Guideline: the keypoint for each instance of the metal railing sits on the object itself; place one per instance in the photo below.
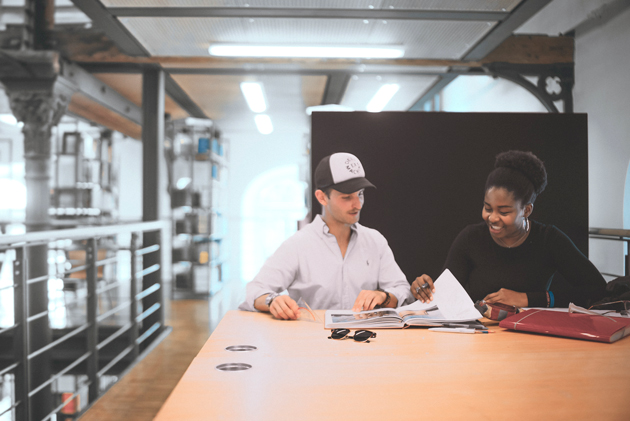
(614, 235)
(137, 330)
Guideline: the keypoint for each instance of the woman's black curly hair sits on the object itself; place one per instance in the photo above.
(520, 173)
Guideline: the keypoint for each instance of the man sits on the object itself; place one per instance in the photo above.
(334, 262)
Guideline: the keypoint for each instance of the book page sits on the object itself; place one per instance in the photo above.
(450, 298)
(369, 315)
(369, 318)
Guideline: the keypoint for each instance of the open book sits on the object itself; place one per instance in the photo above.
(451, 305)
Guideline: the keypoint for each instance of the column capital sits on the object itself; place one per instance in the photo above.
(38, 98)
(39, 105)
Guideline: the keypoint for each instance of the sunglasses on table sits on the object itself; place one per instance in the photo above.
(359, 335)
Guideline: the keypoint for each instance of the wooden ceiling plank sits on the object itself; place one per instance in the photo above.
(523, 12)
(130, 86)
(533, 49)
(518, 49)
(84, 107)
(181, 97)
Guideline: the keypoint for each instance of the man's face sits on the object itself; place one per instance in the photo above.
(343, 208)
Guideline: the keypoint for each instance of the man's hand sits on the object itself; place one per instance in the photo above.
(282, 307)
(285, 308)
(423, 294)
(507, 296)
(369, 299)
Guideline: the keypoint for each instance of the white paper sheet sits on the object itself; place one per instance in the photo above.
(450, 297)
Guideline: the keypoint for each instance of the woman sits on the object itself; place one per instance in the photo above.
(511, 259)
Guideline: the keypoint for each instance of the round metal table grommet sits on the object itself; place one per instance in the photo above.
(233, 367)
(241, 348)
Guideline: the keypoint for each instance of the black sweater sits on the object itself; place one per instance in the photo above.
(484, 267)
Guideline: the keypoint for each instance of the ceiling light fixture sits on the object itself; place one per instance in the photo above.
(382, 97)
(253, 93)
(263, 123)
(305, 51)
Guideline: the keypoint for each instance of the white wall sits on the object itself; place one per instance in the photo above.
(486, 94)
(128, 156)
(602, 57)
(603, 91)
(252, 154)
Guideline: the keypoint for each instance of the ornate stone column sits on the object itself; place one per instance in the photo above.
(39, 105)
(38, 99)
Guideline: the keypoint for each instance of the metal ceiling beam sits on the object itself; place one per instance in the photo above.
(112, 27)
(496, 37)
(296, 13)
(434, 90)
(102, 67)
(128, 44)
(602, 15)
(335, 88)
(99, 91)
(505, 28)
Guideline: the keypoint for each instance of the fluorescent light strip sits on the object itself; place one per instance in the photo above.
(332, 51)
(253, 93)
(263, 123)
(382, 97)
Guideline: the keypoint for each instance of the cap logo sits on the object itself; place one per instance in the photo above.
(353, 165)
(345, 166)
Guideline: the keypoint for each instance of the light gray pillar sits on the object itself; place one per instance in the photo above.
(39, 104)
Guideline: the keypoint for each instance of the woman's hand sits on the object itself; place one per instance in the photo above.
(423, 294)
(507, 296)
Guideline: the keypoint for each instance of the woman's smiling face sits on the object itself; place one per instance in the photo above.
(504, 215)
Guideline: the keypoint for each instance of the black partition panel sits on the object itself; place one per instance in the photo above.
(430, 170)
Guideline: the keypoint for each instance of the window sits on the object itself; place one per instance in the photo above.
(272, 204)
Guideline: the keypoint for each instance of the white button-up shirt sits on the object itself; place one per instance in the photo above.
(309, 265)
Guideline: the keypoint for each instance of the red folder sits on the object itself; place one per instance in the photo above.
(571, 325)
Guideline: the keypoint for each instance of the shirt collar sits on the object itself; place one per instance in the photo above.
(323, 228)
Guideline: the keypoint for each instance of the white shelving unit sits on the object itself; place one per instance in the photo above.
(198, 170)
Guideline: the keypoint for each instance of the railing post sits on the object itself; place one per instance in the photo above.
(158, 278)
(92, 314)
(627, 272)
(21, 336)
(133, 313)
(150, 238)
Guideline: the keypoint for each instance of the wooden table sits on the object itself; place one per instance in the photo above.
(299, 374)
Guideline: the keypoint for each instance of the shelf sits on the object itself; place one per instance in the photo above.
(197, 168)
(84, 183)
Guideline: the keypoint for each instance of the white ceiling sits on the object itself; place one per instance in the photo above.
(178, 39)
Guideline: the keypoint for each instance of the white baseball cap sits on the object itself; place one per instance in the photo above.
(343, 172)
